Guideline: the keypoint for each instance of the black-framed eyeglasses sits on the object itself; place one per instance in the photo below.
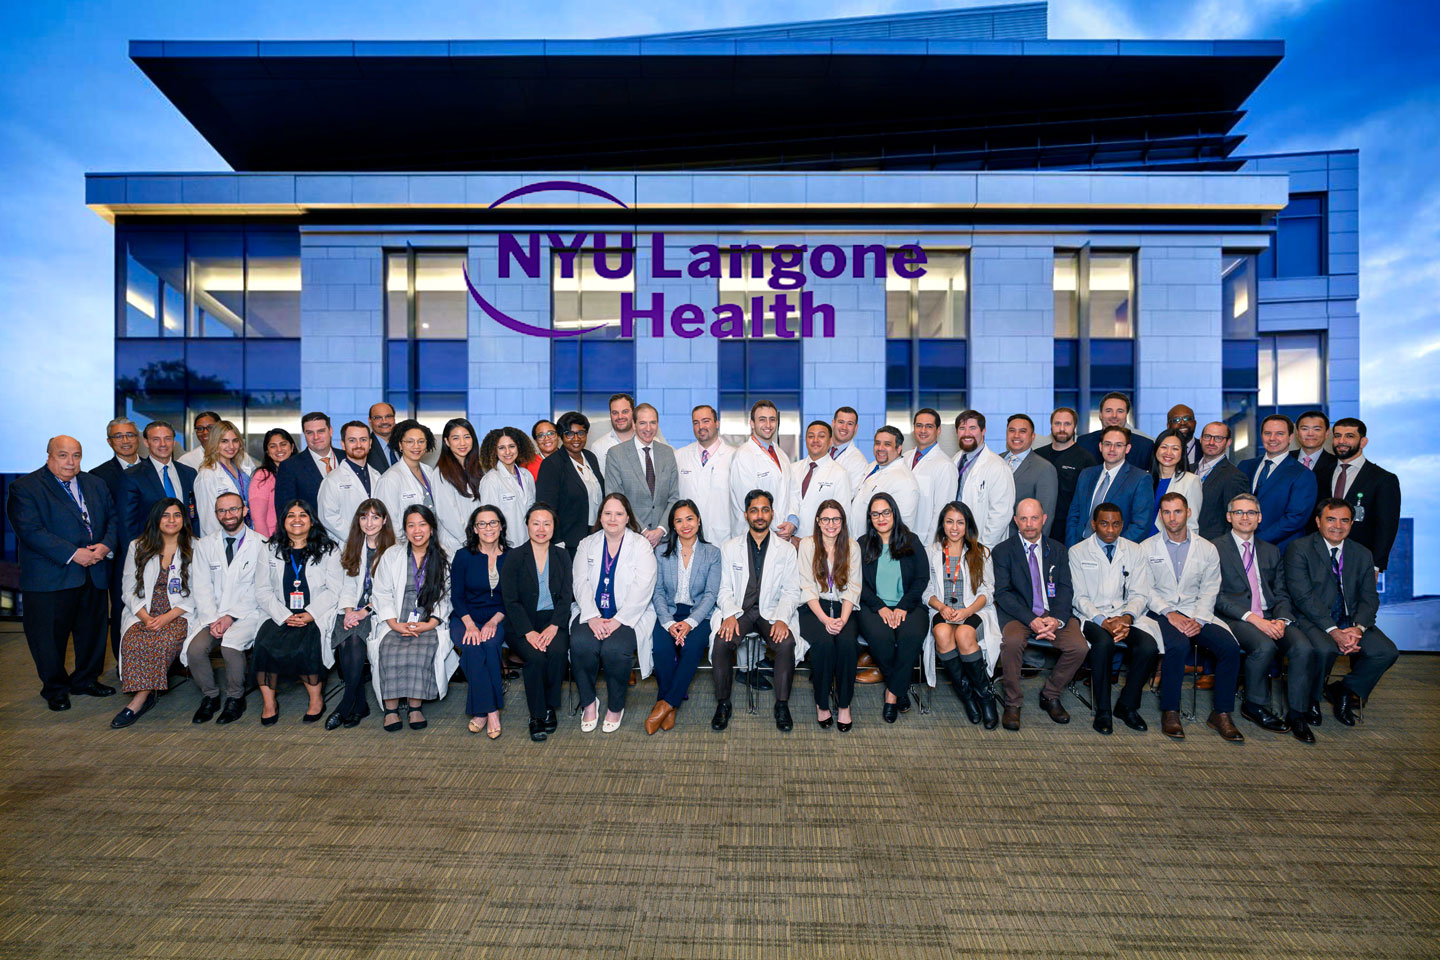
(881, 514)
(1182, 419)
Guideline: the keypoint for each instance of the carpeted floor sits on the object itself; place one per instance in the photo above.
(931, 838)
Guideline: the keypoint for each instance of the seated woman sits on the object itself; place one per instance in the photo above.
(962, 594)
(893, 620)
(535, 586)
(370, 536)
(279, 446)
(477, 615)
(457, 492)
(298, 589)
(614, 574)
(412, 598)
(686, 586)
(160, 598)
(411, 481)
(830, 581)
(505, 482)
(222, 470)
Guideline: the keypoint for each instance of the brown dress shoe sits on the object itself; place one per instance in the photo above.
(668, 722)
(657, 716)
(1010, 719)
(869, 675)
(1223, 725)
(1054, 708)
(1170, 725)
(1206, 681)
(865, 659)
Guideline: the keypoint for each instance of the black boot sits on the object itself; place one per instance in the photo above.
(981, 692)
(956, 669)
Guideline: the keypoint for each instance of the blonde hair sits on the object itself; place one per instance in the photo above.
(218, 429)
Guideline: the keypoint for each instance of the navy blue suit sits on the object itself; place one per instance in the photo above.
(112, 471)
(1287, 499)
(62, 598)
(299, 479)
(1132, 490)
(143, 489)
(1141, 450)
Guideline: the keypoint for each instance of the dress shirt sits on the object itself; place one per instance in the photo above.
(592, 485)
(1240, 542)
(1101, 482)
(174, 476)
(1353, 466)
(1309, 460)
(1278, 459)
(1207, 465)
(682, 586)
(1013, 460)
(1178, 552)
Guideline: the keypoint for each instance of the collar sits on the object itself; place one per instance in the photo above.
(1207, 462)
(713, 447)
(1301, 453)
(1026, 544)
(319, 457)
(1240, 541)
(640, 445)
(1278, 458)
(1017, 458)
(763, 447)
(1169, 542)
(127, 463)
(840, 448)
(877, 467)
(1112, 470)
(1327, 546)
(1354, 463)
(925, 450)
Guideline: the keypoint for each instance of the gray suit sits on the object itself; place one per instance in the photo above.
(1035, 477)
(625, 473)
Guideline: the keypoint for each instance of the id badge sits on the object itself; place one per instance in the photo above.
(414, 617)
(604, 599)
(174, 587)
(297, 601)
(1050, 589)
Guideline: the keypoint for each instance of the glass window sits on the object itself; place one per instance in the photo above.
(427, 359)
(217, 284)
(1067, 295)
(926, 321)
(272, 284)
(1292, 370)
(154, 284)
(1094, 293)
(1299, 244)
(586, 371)
(753, 282)
(1112, 285)
(440, 296)
(769, 367)
(1237, 295)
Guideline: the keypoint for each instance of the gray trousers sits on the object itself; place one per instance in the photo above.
(1376, 655)
(204, 675)
(1260, 651)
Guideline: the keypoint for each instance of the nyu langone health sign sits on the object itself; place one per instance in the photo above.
(787, 271)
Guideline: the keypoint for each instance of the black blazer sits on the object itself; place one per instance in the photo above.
(1324, 462)
(560, 486)
(1012, 580)
(143, 488)
(1141, 448)
(1378, 490)
(1312, 585)
(379, 458)
(112, 471)
(520, 589)
(299, 479)
(914, 578)
(49, 528)
(1222, 483)
(1233, 601)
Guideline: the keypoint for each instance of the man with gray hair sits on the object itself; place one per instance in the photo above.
(123, 436)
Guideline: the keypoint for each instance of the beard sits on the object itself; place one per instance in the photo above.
(1344, 451)
(968, 444)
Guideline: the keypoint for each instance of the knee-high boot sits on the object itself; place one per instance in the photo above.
(955, 669)
(981, 692)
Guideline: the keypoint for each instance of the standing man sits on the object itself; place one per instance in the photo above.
(1372, 491)
(934, 473)
(1068, 457)
(1034, 476)
(1220, 480)
(343, 490)
(845, 424)
(228, 559)
(124, 438)
(704, 473)
(888, 474)
(1312, 429)
(1115, 412)
(1113, 480)
(622, 426)
(203, 422)
(1033, 595)
(1286, 490)
(760, 464)
(382, 424)
(155, 477)
(984, 483)
(64, 523)
(644, 470)
(815, 479)
(1181, 419)
(301, 475)
(1333, 588)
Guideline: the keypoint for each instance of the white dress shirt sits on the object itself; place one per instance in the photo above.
(1354, 465)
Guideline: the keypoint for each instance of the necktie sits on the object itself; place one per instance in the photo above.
(960, 487)
(1264, 472)
(770, 449)
(1101, 490)
(805, 484)
(1306, 461)
(1110, 552)
(649, 472)
(1253, 575)
(1037, 597)
(165, 480)
(391, 455)
(914, 463)
(1340, 481)
(834, 453)
(326, 461)
(84, 514)
(229, 550)
(1014, 462)
(704, 456)
(1337, 609)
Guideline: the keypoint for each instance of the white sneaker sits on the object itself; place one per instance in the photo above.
(610, 726)
(588, 726)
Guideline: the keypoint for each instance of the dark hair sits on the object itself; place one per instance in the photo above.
(490, 449)
(318, 544)
(404, 427)
(1020, 416)
(902, 541)
(354, 549)
(267, 462)
(964, 415)
(206, 413)
(1124, 432)
(535, 430)
(850, 410)
(570, 419)
(930, 410)
(621, 396)
(437, 566)
(705, 406)
(151, 543)
(1105, 507)
(539, 505)
(894, 432)
(760, 404)
(1180, 466)
(672, 539)
(160, 423)
(1333, 503)
(361, 424)
(1355, 422)
(472, 539)
(312, 416)
(1070, 410)
(975, 551)
(1172, 495)
(820, 423)
(1289, 424)
(755, 494)
(464, 477)
(1308, 414)
(839, 568)
(631, 522)
(1116, 395)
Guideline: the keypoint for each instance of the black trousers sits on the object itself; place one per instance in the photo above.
(350, 658)
(1140, 665)
(1260, 651)
(615, 655)
(832, 656)
(51, 618)
(1376, 655)
(544, 671)
(723, 652)
(897, 651)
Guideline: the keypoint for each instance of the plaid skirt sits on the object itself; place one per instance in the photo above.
(407, 666)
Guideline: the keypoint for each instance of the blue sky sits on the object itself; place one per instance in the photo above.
(1356, 74)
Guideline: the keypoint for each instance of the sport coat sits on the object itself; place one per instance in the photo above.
(380, 454)
(1036, 477)
(520, 589)
(1013, 586)
(49, 528)
(560, 486)
(1223, 482)
(1132, 491)
(625, 473)
(299, 479)
(704, 583)
(1312, 584)
(1141, 448)
(1374, 494)
(1233, 601)
(1287, 499)
(143, 488)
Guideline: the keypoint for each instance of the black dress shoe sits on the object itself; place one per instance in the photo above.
(1103, 724)
(61, 702)
(783, 723)
(538, 733)
(208, 706)
(721, 720)
(1054, 708)
(1343, 701)
(844, 727)
(94, 689)
(353, 719)
(1301, 730)
(757, 679)
(903, 702)
(550, 721)
(127, 716)
(1131, 718)
(827, 723)
(1263, 718)
(233, 710)
(1313, 715)
(335, 719)
(890, 712)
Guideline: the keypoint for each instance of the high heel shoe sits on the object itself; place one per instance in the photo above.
(271, 720)
(827, 723)
(844, 727)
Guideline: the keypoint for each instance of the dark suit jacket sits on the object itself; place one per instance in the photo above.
(1012, 580)
(1233, 601)
(1132, 490)
(49, 528)
(1222, 483)
(914, 578)
(1141, 449)
(299, 479)
(1287, 500)
(1378, 490)
(1312, 585)
(1324, 463)
(143, 488)
(520, 588)
(112, 471)
(379, 458)
(561, 487)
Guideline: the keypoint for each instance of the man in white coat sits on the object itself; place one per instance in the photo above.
(934, 473)
(887, 474)
(343, 490)
(816, 479)
(845, 450)
(1111, 583)
(759, 593)
(760, 464)
(1185, 578)
(228, 559)
(986, 484)
(622, 427)
(704, 468)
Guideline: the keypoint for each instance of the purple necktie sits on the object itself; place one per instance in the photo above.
(704, 456)
(1037, 597)
(649, 472)
(1253, 576)
(805, 484)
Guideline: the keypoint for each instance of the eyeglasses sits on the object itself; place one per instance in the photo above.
(545, 434)
(124, 436)
(881, 514)
(1182, 419)
(576, 433)
(1247, 514)
(1212, 437)
(829, 520)
(226, 511)
(486, 524)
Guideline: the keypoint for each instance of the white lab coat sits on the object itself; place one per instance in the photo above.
(231, 587)
(989, 632)
(830, 482)
(634, 586)
(708, 486)
(452, 512)
(273, 581)
(210, 483)
(388, 598)
(197, 599)
(989, 493)
(499, 489)
(752, 469)
(895, 479)
(854, 462)
(1199, 584)
(779, 586)
(341, 492)
(1188, 486)
(1110, 588)
(936, 478)
(398, 489)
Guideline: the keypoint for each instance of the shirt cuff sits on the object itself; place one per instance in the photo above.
(693, 622)
(1098, 619)
(793, 520)
(1248, 615)
(667, 625)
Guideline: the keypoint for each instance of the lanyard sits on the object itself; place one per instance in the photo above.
(952, 573)
(295, 568)
(423, 482)
(419, 573)
(239, 478)
(607, 562)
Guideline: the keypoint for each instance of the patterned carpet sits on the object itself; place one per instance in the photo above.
(931, 838)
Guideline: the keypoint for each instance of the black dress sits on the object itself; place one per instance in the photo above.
(285, 651)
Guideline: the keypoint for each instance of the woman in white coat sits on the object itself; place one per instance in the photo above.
(369, 537)
(1168, 471)
(297, 590)
(506, 485)
(614, 580)
(221, 471)
(162, 594)
(458, 492)
(410, 482)
(965, 632)
(408, 660)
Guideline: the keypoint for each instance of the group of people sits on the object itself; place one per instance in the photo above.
(399, 559)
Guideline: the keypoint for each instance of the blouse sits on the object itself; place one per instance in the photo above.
(262, 502)
(889, 581)
(811, 590)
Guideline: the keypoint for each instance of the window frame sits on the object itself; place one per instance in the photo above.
(1084, 389)
(912, 309)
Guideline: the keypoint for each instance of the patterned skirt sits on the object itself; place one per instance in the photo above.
(146, 655)
(407, 666)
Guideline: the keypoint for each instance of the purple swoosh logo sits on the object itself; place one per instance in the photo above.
(567, 186)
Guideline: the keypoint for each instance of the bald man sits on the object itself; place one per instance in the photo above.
(382, 424)
(65, 532)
